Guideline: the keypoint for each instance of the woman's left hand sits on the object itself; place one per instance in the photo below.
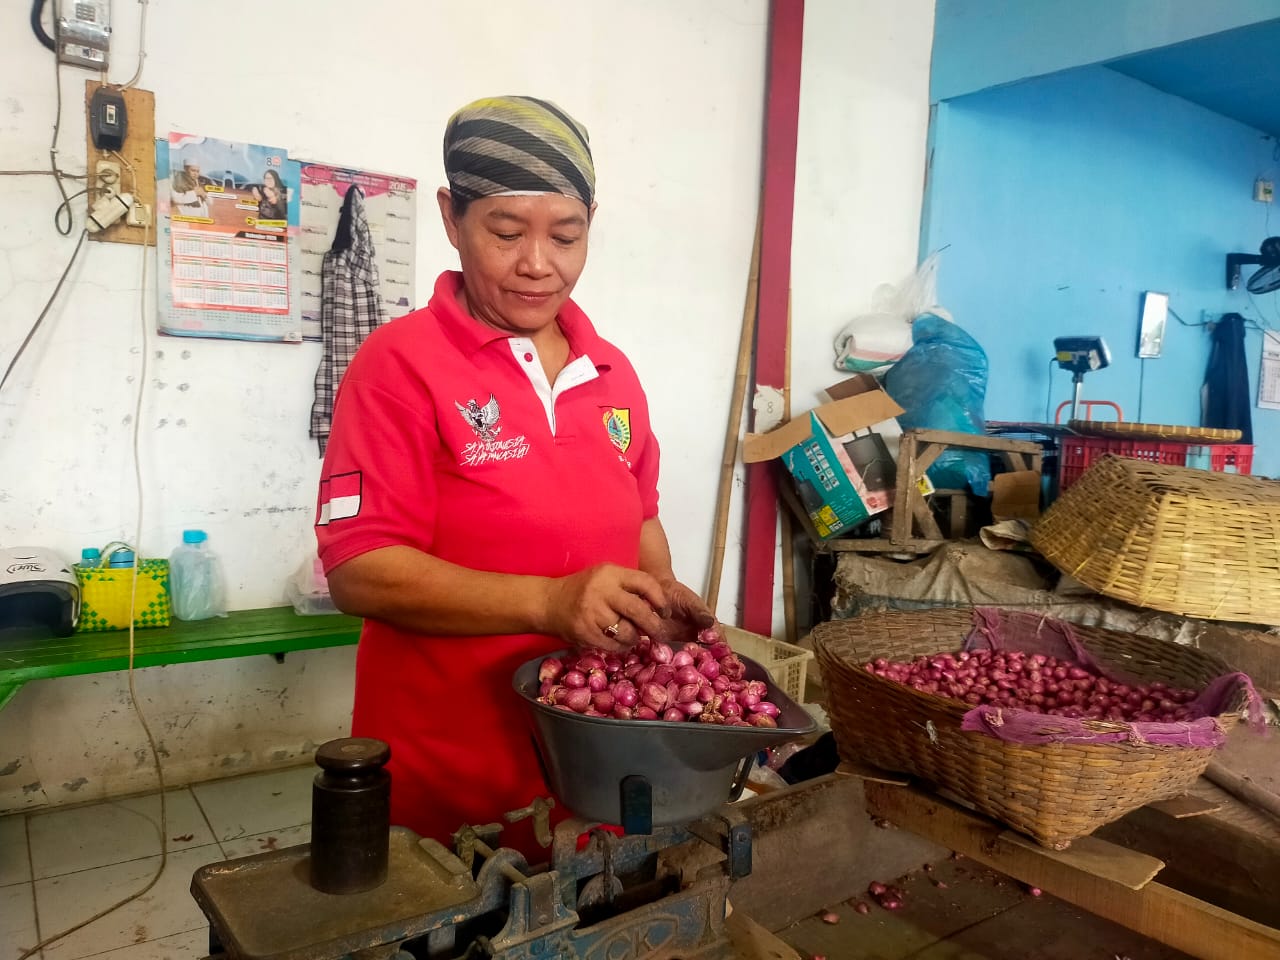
(686, 613)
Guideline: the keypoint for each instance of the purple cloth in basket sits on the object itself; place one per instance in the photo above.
(995, 629)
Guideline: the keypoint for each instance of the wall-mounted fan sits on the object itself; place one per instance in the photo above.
(1267, 278)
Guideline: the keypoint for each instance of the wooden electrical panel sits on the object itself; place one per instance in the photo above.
(140, 151)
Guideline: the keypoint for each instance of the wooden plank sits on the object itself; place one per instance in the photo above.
(925, 519)
(139, 150)
(1207, 857)
(1243, 787)
(959, 515)
(907, 472)
(848, 768)
(1104, 860)
(927, 457)
(880, 545)
(754, 942)
(1162, 913)
(977, 441)
(1187, 805)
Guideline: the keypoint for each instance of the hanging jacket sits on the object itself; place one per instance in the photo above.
(1226, 401)
(350, 306)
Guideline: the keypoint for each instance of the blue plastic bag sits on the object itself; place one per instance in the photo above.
(941, 382)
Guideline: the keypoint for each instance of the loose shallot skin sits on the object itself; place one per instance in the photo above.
(697, 682)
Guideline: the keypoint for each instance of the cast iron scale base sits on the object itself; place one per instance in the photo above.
(480, 900)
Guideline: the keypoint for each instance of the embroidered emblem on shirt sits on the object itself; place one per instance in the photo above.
(488, 448)
(617, 420)
(483, 420)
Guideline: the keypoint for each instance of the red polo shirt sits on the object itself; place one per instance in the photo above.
(448, 438)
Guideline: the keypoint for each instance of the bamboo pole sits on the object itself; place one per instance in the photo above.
(732, 437)
(784, 515)
(1243, 788)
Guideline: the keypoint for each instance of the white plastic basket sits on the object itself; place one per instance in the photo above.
(785, 662)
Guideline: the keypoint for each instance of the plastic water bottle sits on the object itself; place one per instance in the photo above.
(196, 579)
(90, 557)
(120, 559)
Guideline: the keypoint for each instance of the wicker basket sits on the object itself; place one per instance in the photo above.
(1053, 793)
(1154, 431)
(1170, 538)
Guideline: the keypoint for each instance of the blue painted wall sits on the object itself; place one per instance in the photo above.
(983, 43)
(1060, 200)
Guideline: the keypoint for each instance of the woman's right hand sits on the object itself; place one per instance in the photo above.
(584, 608)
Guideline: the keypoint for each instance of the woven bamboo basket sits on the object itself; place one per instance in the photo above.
(1183, 541)
(1054, 793)
(1154, 431)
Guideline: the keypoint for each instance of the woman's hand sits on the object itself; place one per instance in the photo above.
(606, 606)
(686, 615)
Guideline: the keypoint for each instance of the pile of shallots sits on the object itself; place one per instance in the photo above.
(1039, 684)
(653, 681)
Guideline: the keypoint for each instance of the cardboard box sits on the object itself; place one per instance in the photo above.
(811, 447)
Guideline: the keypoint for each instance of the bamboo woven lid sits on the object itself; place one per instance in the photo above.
(1185, 541)
(1154, 431)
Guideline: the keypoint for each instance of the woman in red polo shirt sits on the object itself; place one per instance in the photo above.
(489, 490)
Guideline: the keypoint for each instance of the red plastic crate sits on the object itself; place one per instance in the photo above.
(1077, 453)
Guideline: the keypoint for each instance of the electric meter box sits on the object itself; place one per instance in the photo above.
(84, 32)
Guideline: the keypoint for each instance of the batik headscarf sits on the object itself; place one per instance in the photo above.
(517, 145)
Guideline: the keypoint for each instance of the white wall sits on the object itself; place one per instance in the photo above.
(672, 93)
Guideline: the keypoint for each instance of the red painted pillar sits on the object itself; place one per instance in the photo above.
(782, 115)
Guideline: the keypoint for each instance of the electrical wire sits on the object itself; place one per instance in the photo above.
(142, 49)
(43, 173)
(1142, 370)
(133, 177)
(133, 603)
(1048, 394)
(37, 26)
(44, 312)
(66, 205)
(53, 145)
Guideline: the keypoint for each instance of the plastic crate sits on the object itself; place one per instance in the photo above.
(1078, 453)
(785, 662)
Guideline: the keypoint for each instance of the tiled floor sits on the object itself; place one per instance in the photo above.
(58, 868)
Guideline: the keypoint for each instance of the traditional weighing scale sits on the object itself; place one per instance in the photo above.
(655, 888)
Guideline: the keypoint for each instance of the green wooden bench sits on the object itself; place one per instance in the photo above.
(274, 630)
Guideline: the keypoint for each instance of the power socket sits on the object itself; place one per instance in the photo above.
(139, 215)
(107, 173)
(1263, 190)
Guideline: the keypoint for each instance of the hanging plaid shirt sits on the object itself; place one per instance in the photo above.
(350, 307)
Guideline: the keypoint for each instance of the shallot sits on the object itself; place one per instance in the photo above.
(1037, 683)
(702, 681)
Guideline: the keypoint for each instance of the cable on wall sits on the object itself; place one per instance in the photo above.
(37, 25)
(45, 311)
(142, 49)
(133, 602)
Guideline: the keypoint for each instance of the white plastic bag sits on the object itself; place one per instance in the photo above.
(879, 337)
(308, 589)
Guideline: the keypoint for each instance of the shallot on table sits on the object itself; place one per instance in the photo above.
(1039, 684)
(887, 896)
(654, 681)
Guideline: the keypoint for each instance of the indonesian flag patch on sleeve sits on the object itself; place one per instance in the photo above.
(339, 497)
